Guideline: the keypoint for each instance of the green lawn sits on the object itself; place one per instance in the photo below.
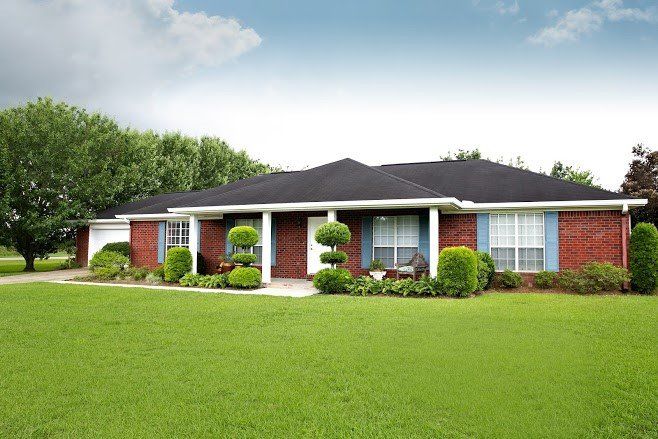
(82, 361)
(9, 267)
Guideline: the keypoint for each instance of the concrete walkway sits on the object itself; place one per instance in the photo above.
(42, 276)
(271, 290)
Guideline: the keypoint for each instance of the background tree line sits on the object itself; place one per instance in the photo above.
(60, 163)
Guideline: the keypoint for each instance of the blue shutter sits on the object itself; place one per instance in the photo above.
(366, 241)
(230, 223)
(483, 232)
(162, 230)
(551, 242)
(198, 236)
(424, 235)
(273, 242)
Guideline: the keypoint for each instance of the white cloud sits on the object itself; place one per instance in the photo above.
(507, 9)
(586, 20)
(76, 48)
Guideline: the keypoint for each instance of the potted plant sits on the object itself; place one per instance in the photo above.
(377, 269)
(225, 264)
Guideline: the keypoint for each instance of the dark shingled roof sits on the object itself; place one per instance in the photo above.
(480, 181)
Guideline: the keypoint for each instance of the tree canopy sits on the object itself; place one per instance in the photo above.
(60, 163)
(642, 181)
(572, 173)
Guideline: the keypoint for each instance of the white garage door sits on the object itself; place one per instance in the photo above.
(101, 234)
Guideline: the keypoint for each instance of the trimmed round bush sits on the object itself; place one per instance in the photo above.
(510, 279)
(177, 263)
(458, 271)
(244, 277)
(332, 258)
(545, 279)
(243, 236)
(333, 234)
(106, 259)
(118, 247)
(111, 272)
(486, 270)
(332, 280)
(644, 258)
(245, 259)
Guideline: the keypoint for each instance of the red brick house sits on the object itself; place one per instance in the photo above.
(525, 220)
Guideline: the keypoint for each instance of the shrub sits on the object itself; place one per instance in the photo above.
(333, 234)
(332, 280)
(139, 273)
(545, 279)
(105, 259)
(245, 259)
(427, 286)
(118, 247)
(177, 263)
(510, 279)
(159, 272)
(334, 257)
(244, 277)
(107, 273)
(594, 277)
(214, 281)
(153, 278)
(190, 279)
(486, 270)
(243, 236)
(377, 265)
(571, 280)
(364, 286)
(644, 258)
(457, 271)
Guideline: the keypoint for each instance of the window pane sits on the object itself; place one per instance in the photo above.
(407, 230)
(503, 258)
(258, 251)
(531, 259)
(177, 234)
(502, 230)
(405, 254)
(385, 254)
(384, 231)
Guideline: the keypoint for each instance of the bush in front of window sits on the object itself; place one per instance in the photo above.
(486, 270)
(108, 264)
(333, 258)
(644, 258)
(458, 271)
(332, 280)
(245, 259)
(545, 279)
(510, 279)
(118, 247)
(594, 277)
(244, 277)
(243, 237)
(177, 263)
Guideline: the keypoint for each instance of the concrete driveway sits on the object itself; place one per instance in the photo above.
(43, 276)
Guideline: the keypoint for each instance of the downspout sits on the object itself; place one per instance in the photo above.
(624, 240)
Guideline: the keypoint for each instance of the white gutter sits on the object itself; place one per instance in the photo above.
(108, 221)
(151, 216)
(572, 205)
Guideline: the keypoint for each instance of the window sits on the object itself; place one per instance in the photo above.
(178, 234)
(258, 248)
(395, 239)
(517, 241)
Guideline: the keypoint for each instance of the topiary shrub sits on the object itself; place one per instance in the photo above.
(108, 259)
(245, 259)
(458, 271)
(486, 270)
(545, 279)
(118, 247)
(244, 277)
(177, 263)
(333, 234)
(336, 257)
(510, 279)
(243, 236)
(644, 258)
(332, 280)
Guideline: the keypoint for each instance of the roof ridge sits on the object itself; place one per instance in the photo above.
(400, 179)
(427, 162)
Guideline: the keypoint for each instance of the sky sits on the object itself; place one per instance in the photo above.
(302, 83)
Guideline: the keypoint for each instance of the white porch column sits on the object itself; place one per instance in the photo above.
(266, 268)
(434, 240)
(332, 215)
(194, 241)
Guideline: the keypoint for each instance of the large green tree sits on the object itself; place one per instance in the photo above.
(59, 165)
(642, 181)
(572, 173)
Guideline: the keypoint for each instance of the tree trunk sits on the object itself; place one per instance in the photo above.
(29, 262)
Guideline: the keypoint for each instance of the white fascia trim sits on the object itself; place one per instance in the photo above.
(108, 221)
(321, 205)
(152, 217)
(571, 205)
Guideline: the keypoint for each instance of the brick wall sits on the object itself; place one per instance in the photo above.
(82, 246)
(458, 229)
(144, 243)
(213, 243)
(590, 236)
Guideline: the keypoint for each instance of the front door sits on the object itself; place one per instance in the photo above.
(313, 249)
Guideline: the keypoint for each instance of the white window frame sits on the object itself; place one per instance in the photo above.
(179, 236)
(250, 222)
(395, 237)
(517, 246)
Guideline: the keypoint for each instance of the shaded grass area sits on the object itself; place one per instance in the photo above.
(10, 267)
(99, 361)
